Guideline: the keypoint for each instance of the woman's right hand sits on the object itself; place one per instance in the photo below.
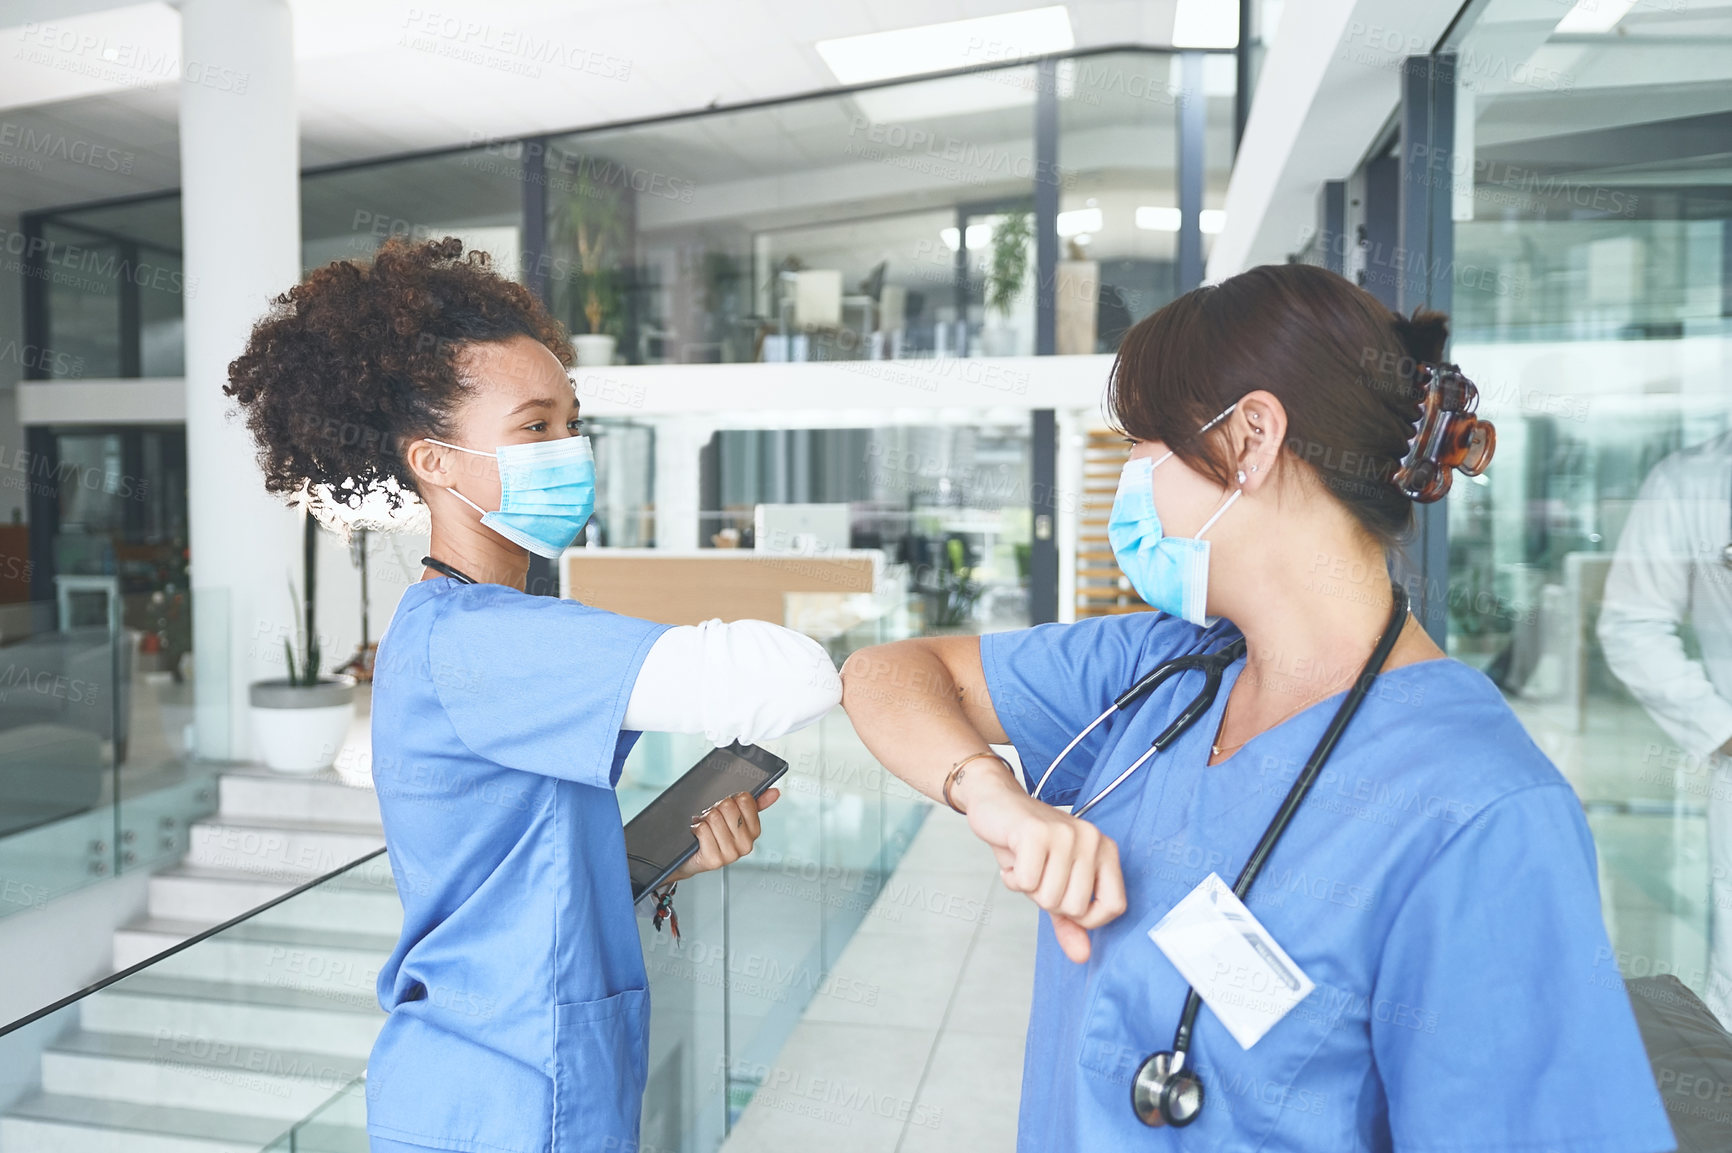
(1068, 866)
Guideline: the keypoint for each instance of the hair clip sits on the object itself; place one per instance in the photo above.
(1447, 435)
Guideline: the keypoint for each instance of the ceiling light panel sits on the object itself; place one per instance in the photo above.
(928, 48)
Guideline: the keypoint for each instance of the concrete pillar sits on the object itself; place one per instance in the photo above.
(678, 442)
(241, 230)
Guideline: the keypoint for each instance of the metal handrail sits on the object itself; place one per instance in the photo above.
(73, 998)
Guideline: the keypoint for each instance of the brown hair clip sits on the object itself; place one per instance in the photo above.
(1447, 435)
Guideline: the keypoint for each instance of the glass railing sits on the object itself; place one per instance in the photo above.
(96, 777)
(256, 1034)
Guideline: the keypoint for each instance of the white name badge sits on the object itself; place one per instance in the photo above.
(1230, 959)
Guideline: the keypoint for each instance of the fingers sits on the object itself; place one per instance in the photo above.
(729, 826)
(742, 812)
(1109, 888)
(709, 851)
(727, 830)
(1069, 869)
(1062, 849)
(1072, 938)
(768, 798)
(1079, 891)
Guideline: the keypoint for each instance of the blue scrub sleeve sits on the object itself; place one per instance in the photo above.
(1500, 1020)
(546, 680)
(1048, 682)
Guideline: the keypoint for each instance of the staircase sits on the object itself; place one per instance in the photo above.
(1101, 589)
(222, 1047)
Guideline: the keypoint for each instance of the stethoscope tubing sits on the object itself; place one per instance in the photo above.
(1212, 666)
(1296, 795)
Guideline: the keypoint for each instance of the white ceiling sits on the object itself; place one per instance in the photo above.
(375, 78)
(1339, 69)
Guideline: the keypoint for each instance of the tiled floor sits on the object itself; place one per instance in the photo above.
(934, 1061)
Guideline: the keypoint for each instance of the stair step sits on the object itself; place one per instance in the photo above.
(53, 1123)
(279, 849)
(261, 950)
(361, 898)
(343, 1022)
(212, 895)
(186, 1070)
(323, 797)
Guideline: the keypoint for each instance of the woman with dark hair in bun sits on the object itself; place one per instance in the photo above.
(1308, 884)
(517, 1000)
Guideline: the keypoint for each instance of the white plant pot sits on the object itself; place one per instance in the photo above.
(998, 340)
(301, 728)
(594, 351)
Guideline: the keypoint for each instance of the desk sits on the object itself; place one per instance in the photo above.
(680, 587)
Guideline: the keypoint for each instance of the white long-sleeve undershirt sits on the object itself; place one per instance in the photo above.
(746, 681)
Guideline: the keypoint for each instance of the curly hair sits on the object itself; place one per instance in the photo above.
(358, 359)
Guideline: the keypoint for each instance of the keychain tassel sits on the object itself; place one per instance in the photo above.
(665, 911)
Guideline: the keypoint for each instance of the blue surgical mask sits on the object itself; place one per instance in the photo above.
(546, 492)
(1169, 572)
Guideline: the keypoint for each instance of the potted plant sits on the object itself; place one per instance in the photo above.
(953, 593)
(301, 720)
(1006, 273)
(592, 226)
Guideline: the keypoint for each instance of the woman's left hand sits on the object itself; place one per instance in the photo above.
(726, 832)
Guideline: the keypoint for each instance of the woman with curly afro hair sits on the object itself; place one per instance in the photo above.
(517, 999)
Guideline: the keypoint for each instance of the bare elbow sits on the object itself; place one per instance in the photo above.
(862, 667)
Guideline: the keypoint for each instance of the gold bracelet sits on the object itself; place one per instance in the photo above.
(957, 768)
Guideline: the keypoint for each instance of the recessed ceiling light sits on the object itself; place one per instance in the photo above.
(1079, 220)
(1209, 24)
(1156, 219)
(979, 235)
(927, 48)
(1591, 17)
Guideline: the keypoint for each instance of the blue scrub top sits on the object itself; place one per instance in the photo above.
(1438, 884)
(517, 999)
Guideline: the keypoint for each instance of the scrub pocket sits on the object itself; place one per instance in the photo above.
(601, 1061)
(1249, 1094)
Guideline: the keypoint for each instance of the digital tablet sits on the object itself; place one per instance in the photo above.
(660, 839)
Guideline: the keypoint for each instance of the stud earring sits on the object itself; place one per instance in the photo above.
(1253, 468)
(1241, 476)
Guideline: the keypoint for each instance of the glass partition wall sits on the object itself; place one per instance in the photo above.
(908, 221)
(1588, 569)
(900, 221)
(256, 1035)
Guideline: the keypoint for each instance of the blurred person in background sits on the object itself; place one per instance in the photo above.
(1671, 577)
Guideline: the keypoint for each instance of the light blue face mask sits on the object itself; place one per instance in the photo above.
(546, 492)
(1170, 572)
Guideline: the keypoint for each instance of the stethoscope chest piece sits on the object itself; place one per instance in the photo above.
(1166, 1093)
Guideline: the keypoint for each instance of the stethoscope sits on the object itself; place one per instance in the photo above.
(1164, 1091)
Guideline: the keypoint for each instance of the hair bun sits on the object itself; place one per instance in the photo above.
(1423, 334)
